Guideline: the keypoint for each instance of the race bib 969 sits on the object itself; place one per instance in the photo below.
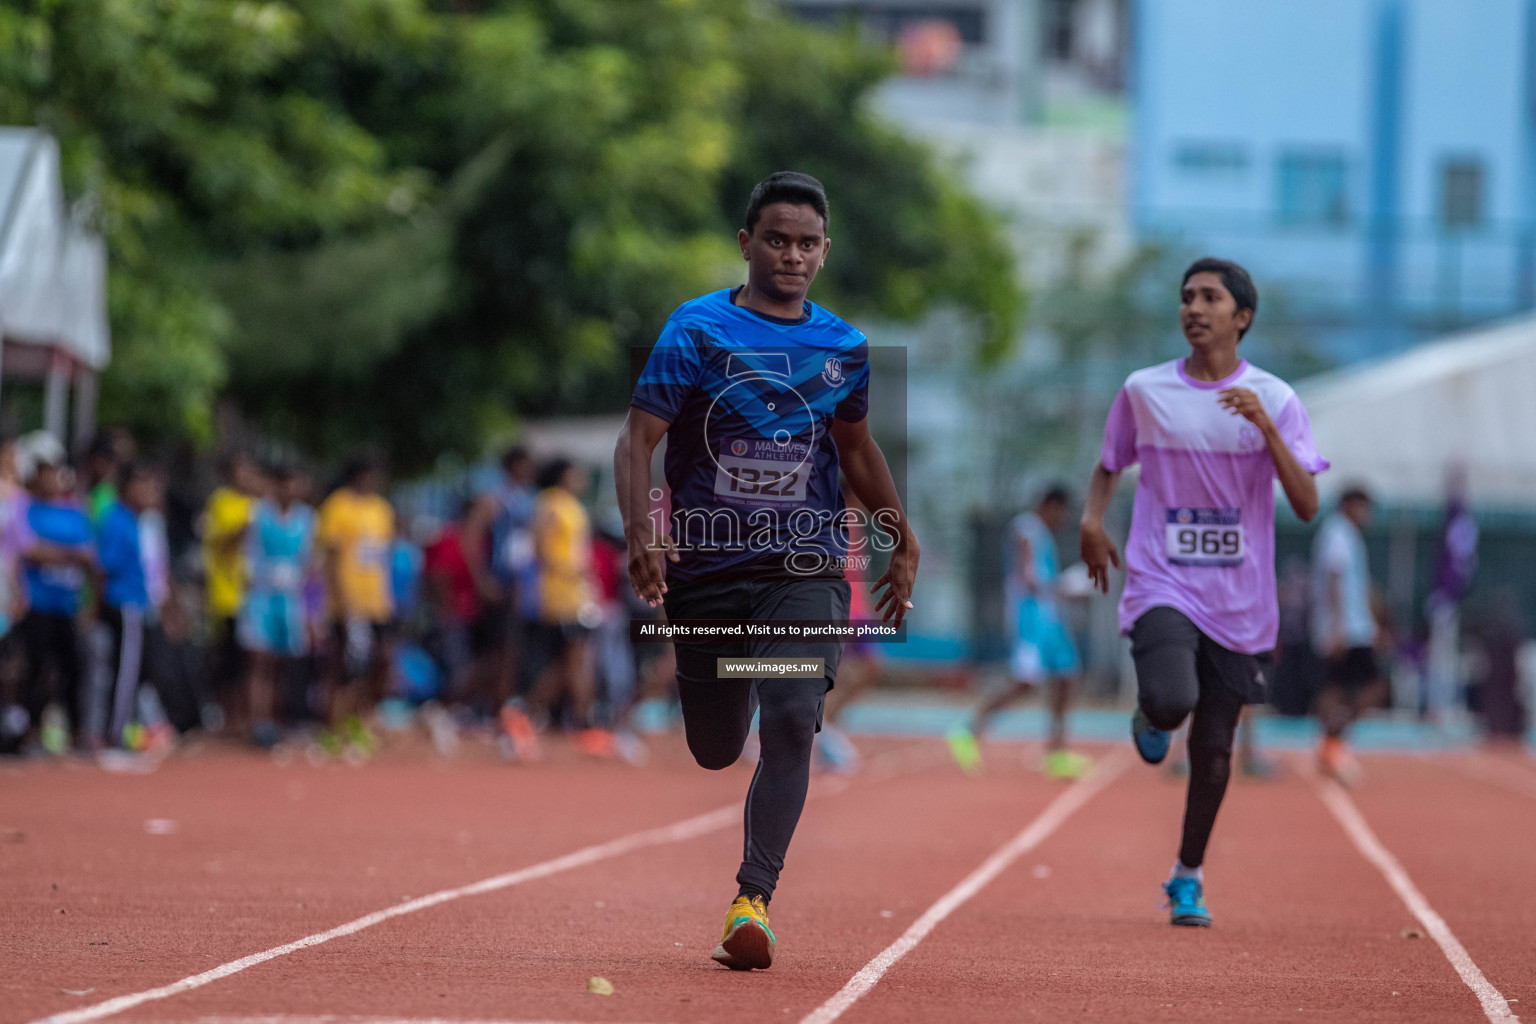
(1205, 538)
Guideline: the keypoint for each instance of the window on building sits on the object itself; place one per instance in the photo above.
(1211, 157)
(1059, 15)
(1313, 189)
(887, 20)
(1461, 194)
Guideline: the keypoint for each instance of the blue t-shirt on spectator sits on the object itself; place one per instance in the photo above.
(55, 589)
(122, 559)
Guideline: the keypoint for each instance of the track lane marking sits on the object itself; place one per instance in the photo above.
(898, 762)
(1336, 799)
(689, 828)
(1498, 773)
(279, 1018)
(1033, 834)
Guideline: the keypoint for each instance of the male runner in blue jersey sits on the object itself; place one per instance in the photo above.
(762, 396)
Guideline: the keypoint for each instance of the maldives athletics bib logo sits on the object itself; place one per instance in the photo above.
(832, 371)
(738, 447)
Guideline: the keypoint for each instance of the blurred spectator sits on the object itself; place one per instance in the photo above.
(1344, 631)
(498, 542)
(13, 510)
(57, 553)
(458, 633)
(1453, 578)
(355, 531)
(405, 570)
(1298, 670)
(156, 547)
(279, 549)
(560, 638)
(109, 451)
(124, 597)
(183, 504)
(226, 518)
(614, 655)
(1505, 716)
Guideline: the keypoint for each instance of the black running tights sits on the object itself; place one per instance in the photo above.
(717, 715)
(1181, 672)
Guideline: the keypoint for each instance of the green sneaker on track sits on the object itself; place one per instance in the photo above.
(965, 749)
(1066, 764)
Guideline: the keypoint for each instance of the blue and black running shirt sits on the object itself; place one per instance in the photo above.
(750, 458)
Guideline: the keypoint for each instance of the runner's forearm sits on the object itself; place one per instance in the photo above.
(1299, 484)
(632, 472)
(1101, 491)
(626, 475)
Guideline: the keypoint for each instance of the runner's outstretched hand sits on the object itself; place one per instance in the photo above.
(897, 581)
(1098, 553)
(647, 575)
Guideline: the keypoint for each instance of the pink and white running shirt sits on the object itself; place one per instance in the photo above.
(1203, 528)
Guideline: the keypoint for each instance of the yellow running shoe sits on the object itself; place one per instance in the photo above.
(747, 942)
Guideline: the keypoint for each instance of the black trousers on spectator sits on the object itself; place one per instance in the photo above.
(1182, 673)
(51, 642)
(717, 713)
(125, 663)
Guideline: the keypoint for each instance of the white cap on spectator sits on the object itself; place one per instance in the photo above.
(38, 449)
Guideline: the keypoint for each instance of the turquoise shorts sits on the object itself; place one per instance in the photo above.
(272, 622)
(1042, 647)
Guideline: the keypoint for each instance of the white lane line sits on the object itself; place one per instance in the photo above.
(667, 834)
(1499, 773)
(278, 1018)
(1495, 1006)
(678, 832)
(1050, 819)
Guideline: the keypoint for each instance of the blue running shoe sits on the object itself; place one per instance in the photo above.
(1186, 903)
(1151, 742)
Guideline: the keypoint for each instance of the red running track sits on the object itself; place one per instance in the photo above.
(96, 907)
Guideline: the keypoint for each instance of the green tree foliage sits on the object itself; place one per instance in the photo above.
(410, 223)
(176, 117)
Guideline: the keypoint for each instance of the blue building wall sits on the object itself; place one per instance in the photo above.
(1372, 159)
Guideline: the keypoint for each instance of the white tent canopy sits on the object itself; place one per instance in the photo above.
(53, 273)
(1402, 426)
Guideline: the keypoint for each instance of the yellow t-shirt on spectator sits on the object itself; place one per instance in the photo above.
(228, 513)
(563, 538)
(357, 529)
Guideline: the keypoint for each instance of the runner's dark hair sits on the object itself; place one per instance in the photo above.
(1233, 277)
(787, 187)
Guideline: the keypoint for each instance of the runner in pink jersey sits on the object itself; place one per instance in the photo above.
(1212, 434)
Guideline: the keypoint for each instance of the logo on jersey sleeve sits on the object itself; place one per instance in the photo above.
(832, 371)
